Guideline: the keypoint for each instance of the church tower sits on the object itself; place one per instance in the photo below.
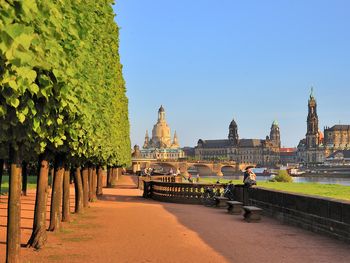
(312, 123)
(275, 135)
(146, 143)
(233, 133)
(175, 143)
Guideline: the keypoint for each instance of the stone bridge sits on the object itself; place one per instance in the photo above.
(215, 167)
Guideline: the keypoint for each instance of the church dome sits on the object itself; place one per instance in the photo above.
(161, 131)
(320, 135)
(275, 123)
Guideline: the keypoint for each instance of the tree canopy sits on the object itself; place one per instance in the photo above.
(61, 82)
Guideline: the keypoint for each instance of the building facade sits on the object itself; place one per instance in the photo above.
(337, 138)
(263, 152)
(288, 156)
(160, 146)
(318, 146)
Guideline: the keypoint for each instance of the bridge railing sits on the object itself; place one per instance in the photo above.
(184, 193)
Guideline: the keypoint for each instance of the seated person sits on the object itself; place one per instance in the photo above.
(249, 178)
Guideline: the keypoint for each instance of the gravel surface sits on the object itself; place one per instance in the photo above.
(124, 227)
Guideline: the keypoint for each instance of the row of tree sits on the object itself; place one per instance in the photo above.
(62, 101)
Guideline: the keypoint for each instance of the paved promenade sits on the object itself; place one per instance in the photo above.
(124, 227)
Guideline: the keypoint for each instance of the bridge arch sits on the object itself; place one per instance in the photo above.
(202, 169)
(166, 166)
(228, 169)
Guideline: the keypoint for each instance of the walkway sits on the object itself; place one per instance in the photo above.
(124, 227)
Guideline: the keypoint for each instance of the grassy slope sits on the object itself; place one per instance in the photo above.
(326, 190)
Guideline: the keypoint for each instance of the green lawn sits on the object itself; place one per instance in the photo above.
(5, 183)
(325, 190)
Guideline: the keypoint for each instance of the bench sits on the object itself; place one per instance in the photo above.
(252, 213)
(220, 201)
(234, 207)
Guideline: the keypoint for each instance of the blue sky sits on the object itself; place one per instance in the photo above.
(208, 61)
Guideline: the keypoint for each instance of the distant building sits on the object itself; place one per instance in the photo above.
(341, 157)
(337, 138)
(189, 152)
(288, 156)
(253, 151)
(318, 146)
(160, 146)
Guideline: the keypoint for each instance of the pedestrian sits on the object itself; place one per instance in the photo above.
(197, 178)
(190, 178)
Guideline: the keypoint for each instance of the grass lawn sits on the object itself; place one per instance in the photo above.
(5, 183)
(325, 190)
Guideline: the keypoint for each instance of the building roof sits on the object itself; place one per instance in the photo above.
(345, 153)
(227, 143)
(250, 142)
(288, 150)
(215, 143)
(339, 128)
(161, 109)
(233, 123)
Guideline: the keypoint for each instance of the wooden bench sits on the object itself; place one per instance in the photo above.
(234, 207)
(252, 213)
(220, 201)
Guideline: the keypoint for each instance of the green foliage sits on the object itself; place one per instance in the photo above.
(61, 82)
(283, 177)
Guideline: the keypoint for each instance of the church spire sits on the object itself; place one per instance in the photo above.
(175, 140)
(312, 96)
(146, 143)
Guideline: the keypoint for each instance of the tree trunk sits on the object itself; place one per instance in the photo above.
(99, 181)
(52, 175)
(114, 177)
(85, 177)
(56, 196)
(94, 183)
(39, 236)
(14, 209)
(78, 185)
(90, 184)
(109, 177)
(66, 195)
(1, 172)
(24, 178)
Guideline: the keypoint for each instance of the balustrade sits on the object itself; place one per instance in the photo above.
(186, 193)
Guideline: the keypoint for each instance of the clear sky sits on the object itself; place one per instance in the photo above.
(208, 61)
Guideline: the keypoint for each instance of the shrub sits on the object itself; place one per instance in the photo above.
(282, 176)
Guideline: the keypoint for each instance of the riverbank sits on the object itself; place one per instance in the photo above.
(335, 191)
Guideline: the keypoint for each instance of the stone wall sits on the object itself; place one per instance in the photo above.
(320, 215)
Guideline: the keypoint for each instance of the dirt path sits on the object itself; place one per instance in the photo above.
(124, 227)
